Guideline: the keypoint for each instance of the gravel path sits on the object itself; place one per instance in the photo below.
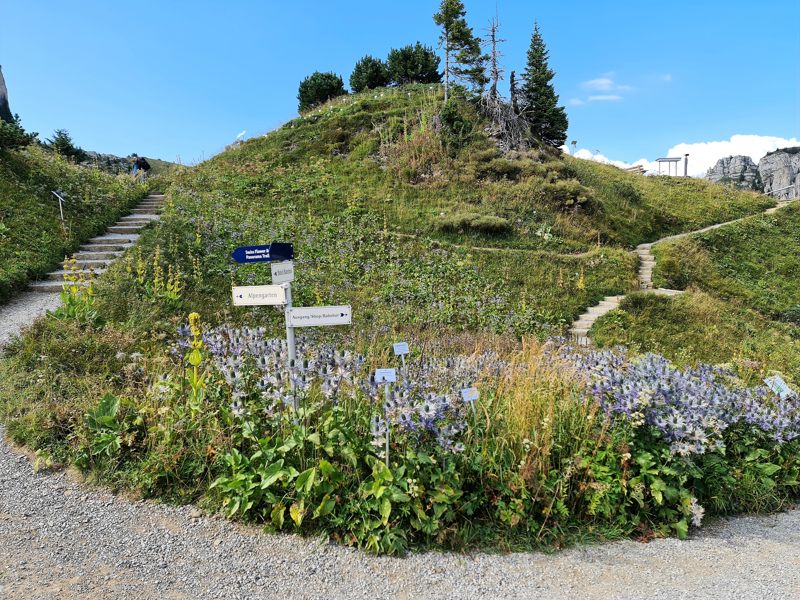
(22, 311)
(60, 539)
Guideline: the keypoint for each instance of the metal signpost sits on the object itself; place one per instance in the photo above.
(280, 294)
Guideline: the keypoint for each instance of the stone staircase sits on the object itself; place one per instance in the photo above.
(99, 252)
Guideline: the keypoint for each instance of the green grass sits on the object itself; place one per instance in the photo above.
(696, 327)
(33, 240)
(755, 261)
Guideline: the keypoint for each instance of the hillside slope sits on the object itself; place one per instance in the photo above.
(32, 238)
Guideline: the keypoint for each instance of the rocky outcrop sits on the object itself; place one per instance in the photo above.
(740, 171)
(777, 174)
(107, 162)
(5, 110)
(780, 173)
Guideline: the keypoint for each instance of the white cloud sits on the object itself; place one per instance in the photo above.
(702, 155)
(601, 84)
(605, 98)
(576, 102)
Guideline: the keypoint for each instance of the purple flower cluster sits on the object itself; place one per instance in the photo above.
(690, 408)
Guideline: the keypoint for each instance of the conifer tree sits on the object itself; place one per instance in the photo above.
(547, 121)
(463, 58)
(513, 92)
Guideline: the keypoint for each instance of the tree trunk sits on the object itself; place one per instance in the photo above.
(446, 65)
(5, 111)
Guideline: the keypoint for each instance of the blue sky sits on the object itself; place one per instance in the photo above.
(179, 80)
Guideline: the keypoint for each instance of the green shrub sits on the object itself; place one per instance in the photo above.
(13, 136)
(474, 222)
(413, 64)
(318, 88)
(369, 73)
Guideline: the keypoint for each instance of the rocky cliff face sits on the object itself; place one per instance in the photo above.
(780, 173)
(777, 174)
(5, 111)
(740, 171)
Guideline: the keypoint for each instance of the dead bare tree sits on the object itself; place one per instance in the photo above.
(506, 126)
(491, 40)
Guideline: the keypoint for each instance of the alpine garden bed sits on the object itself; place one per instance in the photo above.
(561, 446)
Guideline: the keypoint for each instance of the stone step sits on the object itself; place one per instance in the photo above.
(59, 275)
(90, 255)
(579, 331)
(137, 223)
(104, 247)
(144, 211)
(583, 324)
(124, 229)
(147, 218)
(45, 287)
(667, 292)
(598, 311)
(113, 239)
(89, 263)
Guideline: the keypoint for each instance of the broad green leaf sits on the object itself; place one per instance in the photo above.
(277, 515)
(681, 529)
(297, 512)
(305, 481)
(314, 439)
(272, 474)
(386, 510)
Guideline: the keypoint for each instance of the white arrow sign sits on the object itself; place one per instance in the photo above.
(259, 295)
(779, 386)
(282, 272)
(319, 316)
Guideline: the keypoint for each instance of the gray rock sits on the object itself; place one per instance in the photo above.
(5, 110)
(780, 173)
(738, 170)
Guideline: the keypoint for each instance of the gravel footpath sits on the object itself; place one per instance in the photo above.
(62, 539)
(22, 311)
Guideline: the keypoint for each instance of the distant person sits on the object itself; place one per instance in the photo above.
(140, 165)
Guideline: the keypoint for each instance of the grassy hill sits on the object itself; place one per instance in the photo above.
(33, 239)
(436, 238)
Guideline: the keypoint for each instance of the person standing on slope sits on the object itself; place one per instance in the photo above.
(140, 164)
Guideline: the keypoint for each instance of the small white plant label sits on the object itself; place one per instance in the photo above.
(385, 375)
(400, 348)
(470, 394)
(779, 386)
(282, 272)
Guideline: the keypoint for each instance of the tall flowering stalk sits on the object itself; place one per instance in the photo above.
(196, 378)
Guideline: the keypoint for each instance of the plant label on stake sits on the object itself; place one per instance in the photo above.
(401, 349)
(779, 386)
(470, 395)
(385, 375)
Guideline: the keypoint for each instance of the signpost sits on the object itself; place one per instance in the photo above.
(282, 272)
(267, 253)
(260, 295)
(385, 375)
(280, 254)
(319, 316)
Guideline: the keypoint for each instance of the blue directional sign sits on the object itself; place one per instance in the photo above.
(267, 253)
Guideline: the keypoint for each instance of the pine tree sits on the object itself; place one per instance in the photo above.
(547, 121)
(495, 71)
(463, 58)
